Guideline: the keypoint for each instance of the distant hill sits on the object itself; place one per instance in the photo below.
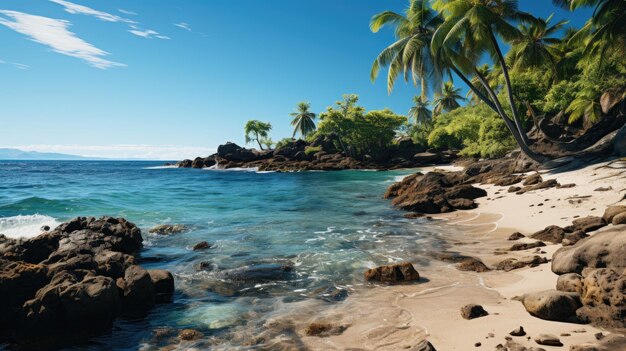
(16, 154)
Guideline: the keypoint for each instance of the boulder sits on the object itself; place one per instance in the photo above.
(518, 332)
(206, 162)
(570, 282)
(168, 229)
(394, 273)
(612, 342)
(203, 245)
(604, 249)
(619, 219)
(553, 234)
(516, 236)
(426, 158)
(611, 212)
(138, 291)
(604, 298)
(619, 143)
(472, 264)
(184, 163)
(72, 307)
(189, 335)
(163, 283)
(291, 149)
(19, 281)
(548, 340)
(586, 224)
(473, 311)
(553, 305)
(510, 264)
(533, 179)
(527, 246)
(233, 152)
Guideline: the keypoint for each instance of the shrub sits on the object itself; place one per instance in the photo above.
(310, 150)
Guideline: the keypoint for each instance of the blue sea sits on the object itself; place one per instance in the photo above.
(327, 227)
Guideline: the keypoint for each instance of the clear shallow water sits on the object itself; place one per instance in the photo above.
(326, 226)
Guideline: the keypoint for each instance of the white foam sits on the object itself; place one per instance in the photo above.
(25, 226)
(234, 169)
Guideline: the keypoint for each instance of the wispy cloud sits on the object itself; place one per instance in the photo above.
(55, 34)
(146, 33)
(183, 25)
(76, 9)
(126, 12)
(146, 152)
(15, 64)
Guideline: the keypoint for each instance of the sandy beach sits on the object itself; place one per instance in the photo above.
(401, 317)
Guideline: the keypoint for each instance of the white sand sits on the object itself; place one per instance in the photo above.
(400, 317)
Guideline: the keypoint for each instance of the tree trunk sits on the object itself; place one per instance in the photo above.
(505, 72)
(475, 90)
(507, 121)
(258, 141)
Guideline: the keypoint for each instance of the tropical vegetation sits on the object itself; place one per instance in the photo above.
(257, 131)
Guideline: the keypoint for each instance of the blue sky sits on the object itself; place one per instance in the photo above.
(169, 79)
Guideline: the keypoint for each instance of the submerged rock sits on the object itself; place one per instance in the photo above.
(400, 272)
(167, 229)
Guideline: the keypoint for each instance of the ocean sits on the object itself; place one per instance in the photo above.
(326, 228)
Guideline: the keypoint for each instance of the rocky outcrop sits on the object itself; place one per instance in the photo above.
(323, 153)
(70, 283)
(595, 268)
(401, 272)
(553, 305)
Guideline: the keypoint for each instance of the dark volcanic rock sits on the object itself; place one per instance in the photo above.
(393, 273)
(473, 311)
(70, 283)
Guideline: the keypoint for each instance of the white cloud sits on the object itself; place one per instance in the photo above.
(20, 66)
(124, 151)
(183, 25)
(55, 34)
(146, 33)
(76, 9)
(126, 12)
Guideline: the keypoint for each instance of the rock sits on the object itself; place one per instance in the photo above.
(611, 212)
(400, 272)
(45, 228)
(606, 248)
(291, 149)
(553, 234)
(526, 246)
(548, 340)
(516, 236)
(619, 219)
(113, 264)
(507, 180)
(510, 264)
(619, 143)
(612, 342)
(514, 189)
(518, 331)
(233, 152)
(73, 306)
(205, 162)
(163, 283)
(426, 158)
(138, 291)
(604, 298)
(573, 238)
(189, 335)
(551, 183)
(473, 311)
(608, 100)
(167, 229)
(553, 305)
(472, 264)
(586, 224)
(184, 163)
(609, 188)
(19, 281)
(533, 179)
(571, 282)
(465, 192)
(324, 329)
(203, 245)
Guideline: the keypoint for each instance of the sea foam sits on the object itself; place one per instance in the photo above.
(25, 226)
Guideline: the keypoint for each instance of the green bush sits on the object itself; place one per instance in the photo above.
(283, 142)
(310, 150)
(560, 96)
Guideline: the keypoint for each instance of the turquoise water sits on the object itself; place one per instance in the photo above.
(326, 226)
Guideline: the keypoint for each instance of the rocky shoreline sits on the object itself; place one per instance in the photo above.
(69, 284)
(591, 264)
(321, 154)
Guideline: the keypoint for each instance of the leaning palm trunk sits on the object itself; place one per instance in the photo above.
(507, 80)
(517, 135)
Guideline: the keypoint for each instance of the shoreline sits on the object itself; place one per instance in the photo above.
(430, 310)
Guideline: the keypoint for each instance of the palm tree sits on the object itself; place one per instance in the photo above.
(485, 71)
(256, 131)
(303, 120)
(605, 30)
(410, 53)
(536, 48)
(447, 99)
(469, 32)
(420, 112)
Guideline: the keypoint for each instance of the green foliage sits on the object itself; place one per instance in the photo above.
(530, 86)
(303, 120)
(560, 96)
(360, 132)
(310, 150)
(446, 100)
(476, 130)
(419, 133)
(284, 142)
(268, 142)
(256, 130)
